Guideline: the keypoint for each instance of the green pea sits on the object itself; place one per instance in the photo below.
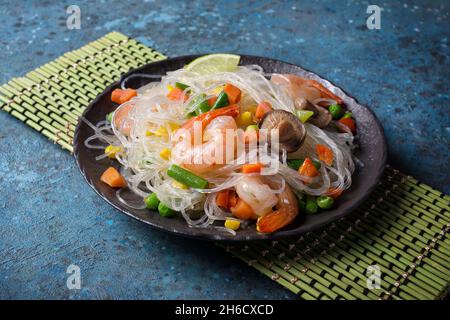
(252, 127)
(336, 111)
(325, 202)
(109, 117)
(348, 114)
(165, 211)
(311, 205)
(151, 201)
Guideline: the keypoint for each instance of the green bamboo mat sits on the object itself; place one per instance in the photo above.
(402, 228)
(52, 97)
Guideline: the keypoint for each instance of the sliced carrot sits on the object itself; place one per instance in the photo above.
(334, 192)
(252, 167)
(211, 101)
(325, 154)
(113, 178)
(262, 109)
(308, 169)
(243, 211)
(177, 94)
(121, 96)
(222, 199)
(128, 94)
(233, 93)
(350, 123)
(116, 95)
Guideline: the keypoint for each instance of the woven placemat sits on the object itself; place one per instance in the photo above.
(52, 97)
(401, 230)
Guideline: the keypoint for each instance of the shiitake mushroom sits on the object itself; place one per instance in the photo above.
(321, 117)
(292, 132)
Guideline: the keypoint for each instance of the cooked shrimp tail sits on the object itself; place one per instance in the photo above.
(298, 87)
(287, 211)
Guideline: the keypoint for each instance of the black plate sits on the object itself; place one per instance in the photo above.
(372, 153)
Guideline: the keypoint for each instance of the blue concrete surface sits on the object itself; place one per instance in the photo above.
(50, 218)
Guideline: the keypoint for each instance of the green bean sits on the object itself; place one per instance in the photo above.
(202, 107)
(222, 101)
(199, 104)
(186, 177)
(295, 163)
(181, 86)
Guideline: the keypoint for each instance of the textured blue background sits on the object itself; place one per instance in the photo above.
(50, 218)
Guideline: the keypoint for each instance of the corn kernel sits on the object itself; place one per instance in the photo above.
(174, 126)
(165, 154)
(169, 87)
(112, 151)
(161, 132)
(217, 90)
(232, 224)
(179, 185)
(245, 119)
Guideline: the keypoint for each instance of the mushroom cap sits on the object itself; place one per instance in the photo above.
(321, 118)
(292, 132)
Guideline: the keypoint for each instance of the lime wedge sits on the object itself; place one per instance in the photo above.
(213, 63)
(304, 115)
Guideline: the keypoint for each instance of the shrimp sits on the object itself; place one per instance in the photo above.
(286, 212)
(298, 87)
(257, 193)
(211, 153)
(205, 118)
(122, 120)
